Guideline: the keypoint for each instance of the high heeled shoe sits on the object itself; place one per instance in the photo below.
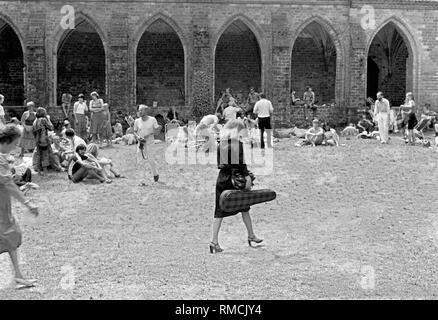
(254, 239)
(215, 248)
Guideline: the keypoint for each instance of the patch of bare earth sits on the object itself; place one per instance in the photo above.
(358, 221)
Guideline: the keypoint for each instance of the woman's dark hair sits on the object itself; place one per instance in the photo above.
(70, 133)
(9, 134)
(81, 96)
(81, 147)
(41, 112)
(263, 96)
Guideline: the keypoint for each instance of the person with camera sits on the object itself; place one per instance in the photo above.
(10, 232)
(144, 129)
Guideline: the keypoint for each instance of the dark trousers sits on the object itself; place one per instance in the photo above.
(265, 125)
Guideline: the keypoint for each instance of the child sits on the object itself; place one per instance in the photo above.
(10, 233)
(118, 130)
(107, 130)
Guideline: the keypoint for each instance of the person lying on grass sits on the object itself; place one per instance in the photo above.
(315, 135)
(86, 166)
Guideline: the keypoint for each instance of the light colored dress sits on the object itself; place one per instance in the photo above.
(10, 233)
(28, 139)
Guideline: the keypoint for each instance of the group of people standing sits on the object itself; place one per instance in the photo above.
(256, 111)
(96, 113)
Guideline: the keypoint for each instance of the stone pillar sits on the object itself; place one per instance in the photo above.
(120, 95)
(201, 76)
(35, 70)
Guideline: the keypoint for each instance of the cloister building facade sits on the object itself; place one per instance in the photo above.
(184, 53)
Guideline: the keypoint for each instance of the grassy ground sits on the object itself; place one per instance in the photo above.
(358, 221)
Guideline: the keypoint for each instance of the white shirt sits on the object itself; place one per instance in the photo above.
(77, 141)
(80, 108)
(2, 111)
(231, 113)
(145, 129)
(263, 108)
(382, 106)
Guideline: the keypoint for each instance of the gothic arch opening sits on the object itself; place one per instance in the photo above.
(313, 64)
(238, 61)
(81, 62)
(160, 66)
(11, 66)
(389, 54)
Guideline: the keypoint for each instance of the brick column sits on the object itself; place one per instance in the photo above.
(202, 61)
(120, 95)
(35, 70)
(358, 67)
(280, 70)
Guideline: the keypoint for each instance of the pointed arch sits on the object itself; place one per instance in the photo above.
(259, 36)
(13, 84)
(17, 31)
(340, 52)
(135, 41)
(58, 40)
(411, 43)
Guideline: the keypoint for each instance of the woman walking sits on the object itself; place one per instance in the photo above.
(10, 233)
(79, 112)
(27, 120)
(230, 149)
(44, 156)
(97, 116)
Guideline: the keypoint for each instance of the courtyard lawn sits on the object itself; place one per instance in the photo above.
(358, 221)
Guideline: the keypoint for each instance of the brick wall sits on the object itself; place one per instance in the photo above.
(11, 68)
(237, 63)
(160, 70)
(201, 23)
(308, 69)
(81, 65)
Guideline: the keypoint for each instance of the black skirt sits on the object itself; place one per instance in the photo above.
(412, 121)
(224, 183)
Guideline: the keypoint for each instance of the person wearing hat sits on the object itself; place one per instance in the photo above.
(97, 115)
(315, 135)
(144, 129)
(80, 109)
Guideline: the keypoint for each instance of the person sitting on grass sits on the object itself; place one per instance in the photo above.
(85, 166)
(365, 125)
(74, 142)
(350, 130)
(106, 164)
(331, 137)
(315, 135)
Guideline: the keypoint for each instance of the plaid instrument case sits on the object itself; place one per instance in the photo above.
(235, 200)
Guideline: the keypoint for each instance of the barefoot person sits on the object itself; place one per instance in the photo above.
(264, 111)
(86, 166)
(381, 113)
(229, 150)
(315, 135)
(144, 129)
(80, 111)
(10, 233)
(411, 119)
(28, 140)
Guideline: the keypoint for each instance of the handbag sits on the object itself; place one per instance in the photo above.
(237, 200)
(240, 181)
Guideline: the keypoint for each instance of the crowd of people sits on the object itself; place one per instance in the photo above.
(76, 148)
